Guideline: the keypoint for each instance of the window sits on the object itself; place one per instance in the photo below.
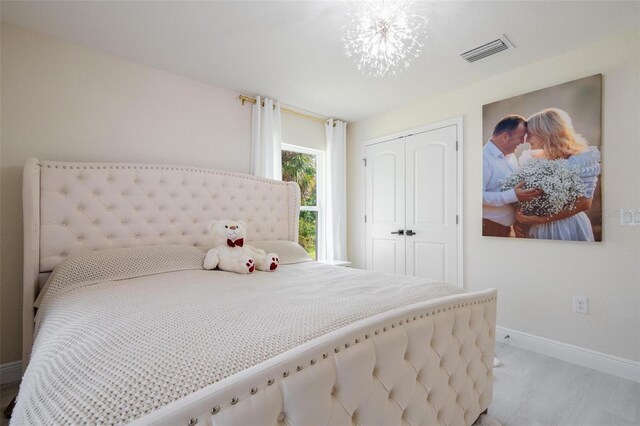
(304, 166)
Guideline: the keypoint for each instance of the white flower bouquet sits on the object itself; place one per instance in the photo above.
(558, 180)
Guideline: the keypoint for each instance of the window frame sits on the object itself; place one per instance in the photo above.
(320, 194)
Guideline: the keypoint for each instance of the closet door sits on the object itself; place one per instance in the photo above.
(385, 207)
(431, 205)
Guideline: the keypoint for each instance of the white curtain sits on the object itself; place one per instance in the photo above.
(266, 139)
(336, 190)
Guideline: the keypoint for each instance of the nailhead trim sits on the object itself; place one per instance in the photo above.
(325, 355)
(132, 166)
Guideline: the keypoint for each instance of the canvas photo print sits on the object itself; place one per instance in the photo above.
(542, 164)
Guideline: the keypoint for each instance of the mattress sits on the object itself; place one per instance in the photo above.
(116, 345)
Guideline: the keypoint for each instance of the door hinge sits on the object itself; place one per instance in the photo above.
(365, 218)
(456, 219)
(364, 160)
(456, 145)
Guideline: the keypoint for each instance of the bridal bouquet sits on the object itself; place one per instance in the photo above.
(557, 179)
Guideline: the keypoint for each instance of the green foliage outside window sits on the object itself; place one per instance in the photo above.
(302, 168)
(308, 232)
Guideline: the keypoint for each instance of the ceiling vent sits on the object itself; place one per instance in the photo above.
(488, 49)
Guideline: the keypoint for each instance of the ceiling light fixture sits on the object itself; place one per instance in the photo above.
(384, 37)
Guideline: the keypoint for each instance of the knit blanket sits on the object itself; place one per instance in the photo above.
(118, 343)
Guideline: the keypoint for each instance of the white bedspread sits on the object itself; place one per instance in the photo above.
(109, 352)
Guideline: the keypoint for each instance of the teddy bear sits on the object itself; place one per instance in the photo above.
(230, 253)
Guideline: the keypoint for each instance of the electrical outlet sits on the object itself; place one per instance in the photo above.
(581, 304)
(630, 217)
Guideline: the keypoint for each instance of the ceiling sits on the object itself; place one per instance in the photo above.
(292, 50)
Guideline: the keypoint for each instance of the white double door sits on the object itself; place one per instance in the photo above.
(411, 205)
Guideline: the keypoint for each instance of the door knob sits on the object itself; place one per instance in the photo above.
(410, 232)
(400, 232)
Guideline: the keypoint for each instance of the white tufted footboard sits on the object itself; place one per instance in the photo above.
(428, 364)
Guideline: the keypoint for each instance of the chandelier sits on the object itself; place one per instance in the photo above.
(384, 37)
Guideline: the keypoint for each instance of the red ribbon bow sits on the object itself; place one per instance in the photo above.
(238, 242)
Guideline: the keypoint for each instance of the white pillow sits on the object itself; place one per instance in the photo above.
(94, 266)
(288, 251)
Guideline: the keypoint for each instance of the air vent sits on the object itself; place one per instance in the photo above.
(491, 48)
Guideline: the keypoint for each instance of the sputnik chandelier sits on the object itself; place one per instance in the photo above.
(383, 37)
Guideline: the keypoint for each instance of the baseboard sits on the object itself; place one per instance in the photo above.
(10, 372)
(600, 361)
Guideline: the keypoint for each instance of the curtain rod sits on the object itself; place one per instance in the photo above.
(244, 99)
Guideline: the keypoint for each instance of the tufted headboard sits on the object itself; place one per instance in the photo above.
(74, 207)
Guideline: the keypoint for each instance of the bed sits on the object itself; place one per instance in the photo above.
(130, 329)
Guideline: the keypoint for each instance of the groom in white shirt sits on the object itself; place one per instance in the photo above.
(498, 162)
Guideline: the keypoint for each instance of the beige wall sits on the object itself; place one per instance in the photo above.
(67, 102)
(537, 279)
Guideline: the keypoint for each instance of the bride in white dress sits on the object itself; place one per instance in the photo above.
(551, 135)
